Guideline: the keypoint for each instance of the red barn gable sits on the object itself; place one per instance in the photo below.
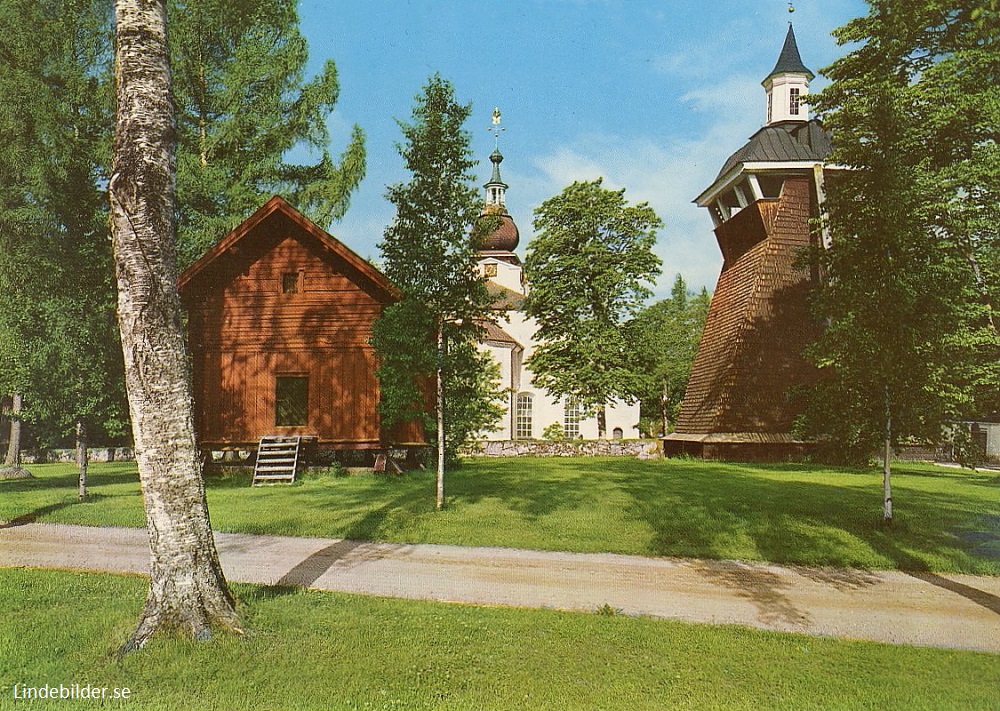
(279, 320)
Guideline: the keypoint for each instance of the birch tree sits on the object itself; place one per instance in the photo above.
(430, 253)
(912, 283)
(187, 590)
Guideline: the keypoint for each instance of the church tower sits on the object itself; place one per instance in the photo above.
(497, 260)
(788, 84)
(740, 400)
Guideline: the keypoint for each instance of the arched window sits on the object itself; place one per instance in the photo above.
(572, 415)
(522, 416)
(617, 433)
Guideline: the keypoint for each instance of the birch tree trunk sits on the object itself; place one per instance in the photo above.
(887, 465)
(187, 590)
(13, 458)
(440, 416)
(81, 458)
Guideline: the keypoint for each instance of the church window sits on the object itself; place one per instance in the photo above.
(770, 103)
(291, 400)
(522, 416)
(572, 416)
(794, 101)
(618, 433)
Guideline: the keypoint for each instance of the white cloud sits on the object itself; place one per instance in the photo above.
(667, 173)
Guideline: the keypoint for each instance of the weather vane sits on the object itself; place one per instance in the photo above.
(496, 128)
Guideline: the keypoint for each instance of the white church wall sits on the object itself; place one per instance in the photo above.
(546, 410)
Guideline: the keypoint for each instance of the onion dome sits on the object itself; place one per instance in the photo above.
(504, 237)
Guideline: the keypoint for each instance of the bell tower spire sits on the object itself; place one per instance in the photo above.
(496, 189)
(788, 84)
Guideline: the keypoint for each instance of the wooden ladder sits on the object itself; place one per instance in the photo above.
(277, 459)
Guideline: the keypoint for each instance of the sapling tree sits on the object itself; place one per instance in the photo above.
(429, 252)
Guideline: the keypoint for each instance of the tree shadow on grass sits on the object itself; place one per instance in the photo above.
(354, 547)
(713, 510)
(33, 516)
(558, 485)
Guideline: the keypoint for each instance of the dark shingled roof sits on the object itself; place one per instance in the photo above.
(789, 61)
(782, 142)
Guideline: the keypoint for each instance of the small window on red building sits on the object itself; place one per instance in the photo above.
(291, 282)
(291, 400)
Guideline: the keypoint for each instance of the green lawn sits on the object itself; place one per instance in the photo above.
(312, 650)
(947, 520)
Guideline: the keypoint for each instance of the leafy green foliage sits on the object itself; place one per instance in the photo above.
(243, 104)
(57, 307)
(429, 252)
(665, 336)
(911, 276)
(588, 267)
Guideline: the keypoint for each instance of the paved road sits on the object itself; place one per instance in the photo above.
(957, 611)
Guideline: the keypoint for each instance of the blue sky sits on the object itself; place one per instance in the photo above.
(651, 95)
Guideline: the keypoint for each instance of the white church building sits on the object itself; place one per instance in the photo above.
(530, 410)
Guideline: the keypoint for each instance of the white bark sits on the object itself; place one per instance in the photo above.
(187, 588)
(13, 458)
(887, 464)
(81, 458)
(440, 416)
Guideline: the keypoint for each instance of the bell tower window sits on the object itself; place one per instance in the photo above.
(794, 101)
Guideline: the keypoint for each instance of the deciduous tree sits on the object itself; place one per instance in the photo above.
(429, 251)
(56, 293)
(664, 337)
(909, 281)
(187, 591)
(589, 265)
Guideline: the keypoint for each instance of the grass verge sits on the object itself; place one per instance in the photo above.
(947, 520)
(312, 650)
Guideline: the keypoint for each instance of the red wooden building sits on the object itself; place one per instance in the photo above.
(279, 319)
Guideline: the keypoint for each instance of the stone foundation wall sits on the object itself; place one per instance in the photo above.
(643, 449)
(95, 454)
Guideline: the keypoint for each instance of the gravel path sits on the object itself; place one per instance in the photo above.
(927, 609)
